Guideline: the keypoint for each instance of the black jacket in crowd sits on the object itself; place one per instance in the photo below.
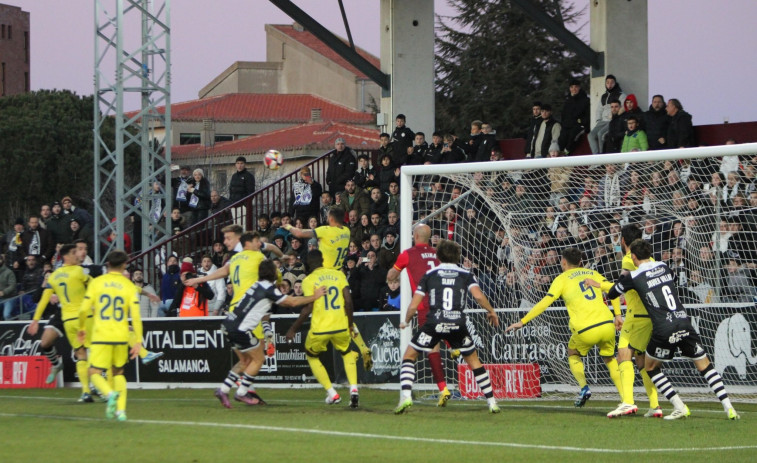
(680, 131)
(242, 184)
(576, 111)
(656, 126)
(342, 166)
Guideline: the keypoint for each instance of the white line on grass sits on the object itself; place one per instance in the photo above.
(389, 437)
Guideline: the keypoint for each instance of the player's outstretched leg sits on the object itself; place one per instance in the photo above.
(120, 389)
(407, 376)
(577, 368)
(654, 403)
(222, 393)
(711, 375)
(661, 382)
(482, 379)
(320, 373)
(57, 363)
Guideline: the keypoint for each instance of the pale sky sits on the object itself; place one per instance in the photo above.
(700, 51)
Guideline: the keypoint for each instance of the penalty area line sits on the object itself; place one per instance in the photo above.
(322, 432)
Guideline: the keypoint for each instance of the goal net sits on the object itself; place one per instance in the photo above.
(697, 207)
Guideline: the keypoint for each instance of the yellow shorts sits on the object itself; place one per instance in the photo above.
(635, 333)
(71, 329)
(104, 356)
(317, 343)
(602, 336)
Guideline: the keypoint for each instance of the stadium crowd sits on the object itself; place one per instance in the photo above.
(676, 203)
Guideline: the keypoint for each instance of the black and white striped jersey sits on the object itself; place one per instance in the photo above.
(254, 305)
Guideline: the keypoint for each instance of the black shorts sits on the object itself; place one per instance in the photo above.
(242, 341)
(685, 339)
(430, 334)
(56, 323)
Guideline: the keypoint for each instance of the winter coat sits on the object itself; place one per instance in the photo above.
(635, 141)
(680, 131)
(576, 111)
(241, 185)
(342, 167)
(656, 126)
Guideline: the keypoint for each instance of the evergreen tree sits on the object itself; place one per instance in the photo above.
(493, 62)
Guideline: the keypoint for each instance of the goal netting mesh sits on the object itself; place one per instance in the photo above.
(513, 219)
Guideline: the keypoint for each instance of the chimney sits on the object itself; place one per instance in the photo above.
(208, 132)
(315, 115)
(298, 27)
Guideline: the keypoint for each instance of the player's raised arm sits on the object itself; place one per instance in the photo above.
(298, 232)
(294, 301)
(222, 272)
(272, 248)
(482, 300)
(41, 305)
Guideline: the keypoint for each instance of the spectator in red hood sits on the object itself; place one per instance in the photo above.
(631, 108)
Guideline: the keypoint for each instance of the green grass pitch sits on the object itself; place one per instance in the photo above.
(189, 425)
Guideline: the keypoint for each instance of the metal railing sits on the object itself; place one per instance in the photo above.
(197, 240)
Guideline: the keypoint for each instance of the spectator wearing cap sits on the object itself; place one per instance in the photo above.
(575, 118)
(58, 225)
(402, 137)
(389, 251)
(342, 166)
(190, 301)
(69, 209)
(242, 183)
(81, 232)
(306, 195)
(603, 115)
(36, 240)
(547, 132)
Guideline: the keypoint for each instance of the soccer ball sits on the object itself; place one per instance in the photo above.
(273, 159)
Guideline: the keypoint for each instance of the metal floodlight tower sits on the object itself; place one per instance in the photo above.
(142, 69)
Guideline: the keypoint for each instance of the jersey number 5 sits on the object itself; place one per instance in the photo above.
(115, 306)
(588, 291)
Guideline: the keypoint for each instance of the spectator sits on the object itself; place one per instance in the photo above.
(616, 130)
(44, 215)
(635, 139)
(356, 232)
(190, 301)
(387, 173)
(680, 131)
(603, 115)
(610, 187)
(219, 255)
(729, 163)
(402, 137)
(342, 166)
(326, 205)
(31, 283)
(656, 122)
(297, 247)
(168, 285)
(389, 251)
(354, 199)
(575, 118)
(434, 153)
(389, 296)
(365, 175)
(451, 152)
(631, 108)
(199, 196)
(559, 177)
(390, 148)
(366, 282)
(81, 232)
(533, 126)
(180, 186)
(58, 225)
(487, 142)
(376, 227)
(392, 222)
(242, 183)
(379, 203)
(217, 202)
(178, 222)
(393, 198)
(217, 286)
(374, 244)
(36, 241)
(547, 133)
(305, 196)
(420, 148)
(147, 308)
(7, 288)
(68, 208)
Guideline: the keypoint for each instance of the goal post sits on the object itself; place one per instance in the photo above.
(513, 218)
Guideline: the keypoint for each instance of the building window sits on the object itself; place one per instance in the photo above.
(220, 180)
(189, 138)
(222, 137)
(10, 32)
(2, 34)
(26, 82)
(26, 46)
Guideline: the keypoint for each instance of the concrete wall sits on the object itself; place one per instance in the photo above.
(14, 56)
(407, 55)
(620, 29)
(245, 77)
(223, 128)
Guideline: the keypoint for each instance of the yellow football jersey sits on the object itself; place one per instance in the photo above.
(113, 299)
(634, 306)
(243, 273)
(585, 304)
(334, 244)
(70, 284)
(328, 312)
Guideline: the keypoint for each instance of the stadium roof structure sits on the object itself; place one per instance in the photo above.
(311, 136)
(311, 41)
(259, 107)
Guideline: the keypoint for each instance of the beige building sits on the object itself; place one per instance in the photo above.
(15, 51)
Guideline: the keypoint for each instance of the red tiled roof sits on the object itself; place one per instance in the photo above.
(258, 107)
(309, 40)
(313, 136)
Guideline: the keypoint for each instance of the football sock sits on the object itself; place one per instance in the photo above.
(120, 386)
(319, 371)
(407, 376)
(482, 378)
(654, 401)
(627, 374)
(52, 355)
(437, 371)
(716, 384)
(612, 367)
(245, 385)
(665, 388)
(82, 369)
(101, 384)
(229, 382)
(350, 366)
(577, 368)
(143, 353)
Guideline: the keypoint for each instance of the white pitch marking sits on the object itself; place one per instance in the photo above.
(389, 437)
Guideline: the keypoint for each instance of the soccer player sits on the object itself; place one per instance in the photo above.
(334, 243)
(68, 283)
(239, 325)
(447, 286)
(633, 339)
(331, 323)
(591, 324)
(112, 299)
(671, 327)
(418, 260)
